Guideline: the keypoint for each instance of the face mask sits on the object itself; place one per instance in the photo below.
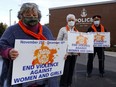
(96, 22)
(31, 21)
(71, 23)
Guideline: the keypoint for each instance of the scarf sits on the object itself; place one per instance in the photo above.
(95, 30)
(39, 36)
(67, 28)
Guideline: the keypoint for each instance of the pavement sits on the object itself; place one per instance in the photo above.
(0, 65)
(80, 79)
(109, 79)
(113, 54)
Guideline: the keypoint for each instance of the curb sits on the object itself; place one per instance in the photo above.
(108, 53)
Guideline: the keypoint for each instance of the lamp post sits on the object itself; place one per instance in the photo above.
(10, 17)
(48, 15)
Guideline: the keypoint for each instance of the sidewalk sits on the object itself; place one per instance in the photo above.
(0, 64)
(109, 80)
(108, 53)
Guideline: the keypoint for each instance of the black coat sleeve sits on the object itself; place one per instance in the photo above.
(90, 29)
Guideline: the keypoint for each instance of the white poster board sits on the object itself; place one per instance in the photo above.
(38, 60)
(79, 42)
(101, 39)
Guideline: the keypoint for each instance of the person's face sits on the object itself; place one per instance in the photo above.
(71, 22)
(30, 17)
(30, 13)
(96, 22)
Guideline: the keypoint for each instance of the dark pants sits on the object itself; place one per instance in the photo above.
(4, 71)
(66, 78)
(101, 57)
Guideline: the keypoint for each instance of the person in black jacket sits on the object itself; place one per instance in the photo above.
(96, 27)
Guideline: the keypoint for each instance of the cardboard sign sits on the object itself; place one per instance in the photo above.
(38, 60)
(79, 42)
(101, 39)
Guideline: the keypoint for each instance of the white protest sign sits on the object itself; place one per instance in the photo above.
(79, 42)
(38, 60)
(101, 39)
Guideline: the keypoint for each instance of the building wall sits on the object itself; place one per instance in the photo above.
(57, 18)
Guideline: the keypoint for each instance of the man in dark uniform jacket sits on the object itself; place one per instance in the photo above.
(96, 27)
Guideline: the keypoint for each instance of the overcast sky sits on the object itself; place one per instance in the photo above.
(44, 5)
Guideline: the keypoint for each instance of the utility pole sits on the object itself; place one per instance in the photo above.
(10, 17)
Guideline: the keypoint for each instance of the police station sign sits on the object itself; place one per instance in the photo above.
(79, 42)
(84, 20)
(38, 60)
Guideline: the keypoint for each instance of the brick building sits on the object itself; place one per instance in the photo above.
(84, 13)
